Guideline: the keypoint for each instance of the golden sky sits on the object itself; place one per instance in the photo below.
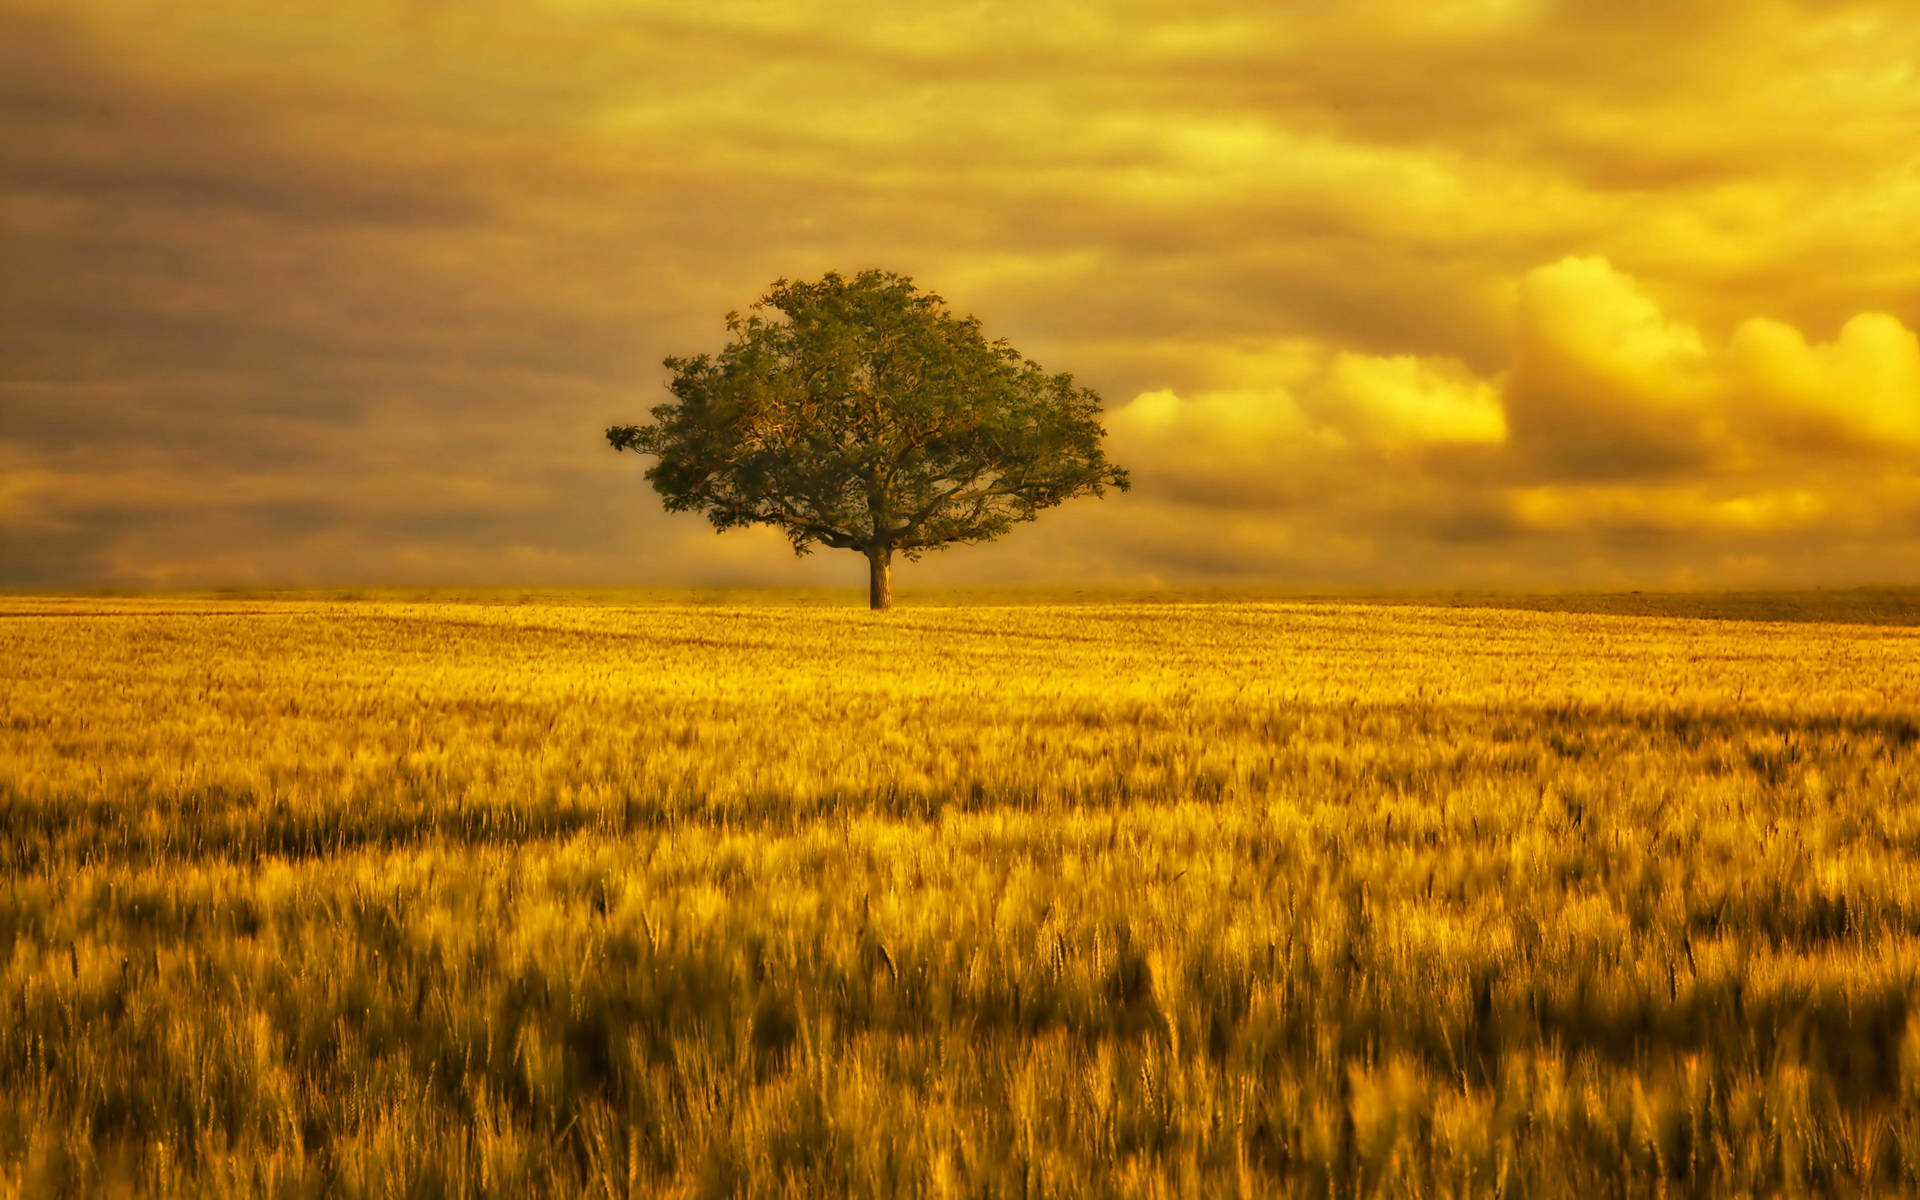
(1381, 293)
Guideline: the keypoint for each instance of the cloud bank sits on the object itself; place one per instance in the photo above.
(1483, 293)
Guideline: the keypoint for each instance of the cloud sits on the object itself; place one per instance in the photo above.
(1614, 426)
(1859, 391)
(1298, 416)
(1406, 401)
(1388, 292)
(1602, 383)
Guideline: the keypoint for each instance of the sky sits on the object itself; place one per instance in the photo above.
(1380, 294)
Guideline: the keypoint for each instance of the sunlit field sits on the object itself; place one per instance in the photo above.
(402, 898)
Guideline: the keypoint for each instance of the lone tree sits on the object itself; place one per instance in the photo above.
(862, 414)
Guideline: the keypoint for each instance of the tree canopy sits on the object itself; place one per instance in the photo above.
(862, 414)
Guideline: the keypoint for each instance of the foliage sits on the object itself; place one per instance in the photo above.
(386, 898)
(861, 414)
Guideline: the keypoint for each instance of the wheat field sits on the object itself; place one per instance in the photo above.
(412, 898)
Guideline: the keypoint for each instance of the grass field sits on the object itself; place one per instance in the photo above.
(402, 898)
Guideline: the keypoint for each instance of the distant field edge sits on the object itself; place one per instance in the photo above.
(1892, 606)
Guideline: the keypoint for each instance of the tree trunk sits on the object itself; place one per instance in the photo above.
(880, 578)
